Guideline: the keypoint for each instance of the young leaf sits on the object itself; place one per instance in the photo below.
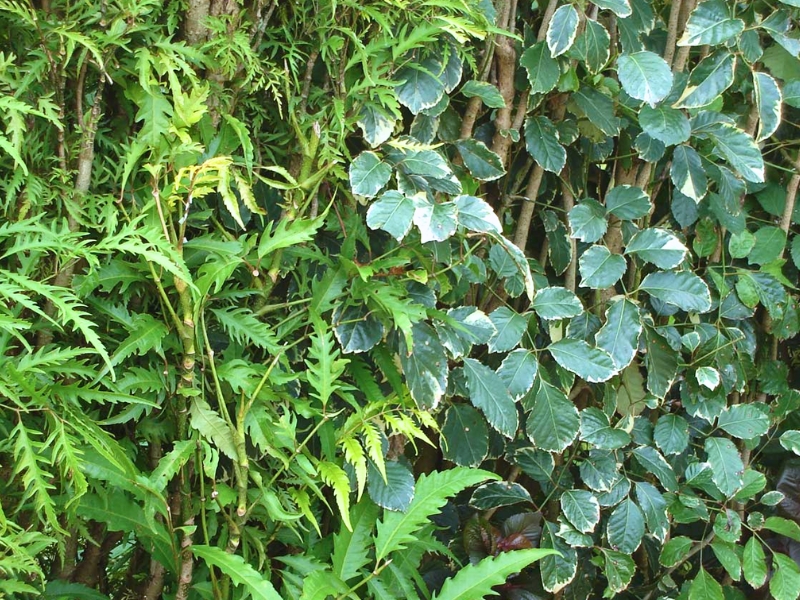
(785, 583)
(334, 476)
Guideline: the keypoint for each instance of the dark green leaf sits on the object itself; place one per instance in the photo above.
(425, 366)
(368, 174)
(662, 364)
(543, 70)
(420, 85)
(487, 92)
(744, 421)
(590, 364)
(654, 463)
(489, 393)
(625, 527)
(356, 328)
(710, 24)
(598, 108)
(754, 563)
(645, 76)
(668, 125)
(484, 164)
(671, 434)
(705, 587)
(518, 372)
(559, 569)
(541, 140)
(465, 436)
(581, 509)
(674, 551)
(556, 303)
(621, 8)
(769, 245)
(655, 509)
(628, 202)
(498, 493)
(593, 46)
(683, 289)
(739, 150)
(687, 173)
(509, 328)
(726, 464)
(712, 76)
(600, 269)
(619, 568)
(553, 421)
(620, 334)
(596, 429)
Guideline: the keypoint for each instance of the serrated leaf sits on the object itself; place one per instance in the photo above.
(396, 530)
(350, 549)
(336, 477)
(726, 555)
(239, 571)
(621, 8)
(542, 143)
(655, 509)
(785, 582)
(712, 76)
(368, 174)
(562, 30)
(558, 569)
(499, 493)
(477, 215)
(598, 108)
(668, 125)
(590, 364)
(770, 243)
(599, 268)
(488, 93)
(542, 69)
(376, 124)
(488, 393)
(675, 550)
(482, 163)
(596, 429)
(555, 302)
(705, 587)
(619, 336)
(172, 462)
(593, 46)
(356, 328)
(518, 371)
(420, 85)
(425, 367)
(553, 421)
(710, 24)
(392, 212)
(726, 464)
(754, 563)
(509, 328)
(625, 527)
(618, 568)
(628, 202)
(688, 174)
(212, 427)
(476, 581)
(671, 434)
(654, 463)
(645, 76)
(581, 508)
(743, 421)
(587, 220)
(465, 436)
(683, 289)
(436, 221)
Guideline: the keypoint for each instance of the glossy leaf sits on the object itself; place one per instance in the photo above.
(420, 85)
(588, 363)
(600, 268)
(581, 509)
(668, 125)
(368, 174)
(553, 421)
(488, 393)
(683, 289)
(688, 174)
(657, 246)
(710, 23)
(499, 493)
(488, 93)
(239, 571)
(710, 78)
(596, 429)
(619, 336)
(587, 220)
(466, 436)
(542, 69)
(644, 76)
(628, 202)
(541, 140)
(625, 527)
(556, 303)
(726, 464)
(484, 164)
(562, 30)
(518, 371)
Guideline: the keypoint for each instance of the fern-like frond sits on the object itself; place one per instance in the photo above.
(243, 326)
(324, 365)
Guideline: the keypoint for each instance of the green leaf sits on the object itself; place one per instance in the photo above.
(662, 364)
(671, 434)
(712, 76)
(657, 246)
(726, 464)
(554, 303)
(791, 440)
(726, 555)
(420, 85)
(590, 364)
(484, 164)
(553, 421)
(587, 220)
(392, 212)
(754, 563)
(618, 568)
(395, 492)
(376, 124)
(795, 252)
(619, 336)
(598, 108)
(630, 394)
(58, 588)
(488, 393)
(596, 429)
(509, 326)
(425, 367)
(784, 527)
(172, 462)
(396, 530)
(705, 587)
(357, 328)
(628, 202)
(621, 8)
(557, 569)
(645, 76)
(518, 371)
(436, 221)
(740, 244)
(368, 174)
(498, 493)
(770, 243)
(582, 509)
(476, 581)
(668, 125)
(477, 215)
(600, 269)
(710, 24)
(336, 477)
(465, 436)
(688, 174)
(287, 233)
(488, 93)
(351, 549)
(625, 527)
(212, 427)
(683, 289)
(785, 582)
(675, 551)
(541, 140)
(649, 148)
(739, 150)
(593, 46)
(562, 30)
(655, 509)
(654, 463)
(743, 421)
(543, 70)
(239, 571)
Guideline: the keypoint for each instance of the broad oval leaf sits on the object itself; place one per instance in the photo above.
(376, 124)
(420, 85)
(555, 302)
(645, 76)
(465, 436)
(710, 24)
(560, 568)
(368, 174)
(625, 528)
(587, 220)
(581, 508)
(596, 429)
(541, 140)
(562, 30)
(590, 364)
(654, 507)
(553, 421)
(509, 328)
(726, 464)
(743, 421)
(754, 563)
(657, 246)
(395, 492)
(666, 124)
(499, 493)
(600, 269)
(628, 202)
(482, 163)
(357, 328)
(593, 46)
(785, 583)
(739, 149)
(488, 93)
(705, 587)
(671, 434)
(518, 372)
(543, 70)
(683, 289)
(618, 568)
(488, 393)
(477, 215)
(425, 366)
(393, 212)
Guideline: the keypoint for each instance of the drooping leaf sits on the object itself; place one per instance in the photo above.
(488, 393)
(465, 436)
(645, 76)
(557, 569)
(654, 507)
(625, 528)
(541, 140)
(688, 174)
(657, 246)
(785, 583)
(593, 46)
(239, 571)
(683, 289)
(350, 549)
(553, 421)
(654, 463)
(562, 30)
(488, 93)
(588, 363)
(754, 563)
(710, 24)
(213, 427)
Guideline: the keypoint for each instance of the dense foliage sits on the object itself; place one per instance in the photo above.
(399, 299)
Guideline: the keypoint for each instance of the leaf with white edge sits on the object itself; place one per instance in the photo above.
(518, 371)
(728, 558)
(726, 464)
(600, 269)
(475, 582)
(675, 551)
(465, 326)
(785, 583)
(628, 202)
(687, 173)
(598, 108)
(712, 76)
(420, 85)
(588, 221)
(739, 149)
(436, 221)
(631, 396)
(543, 70)
(393, 212)
(368, 174)
(744, 421)
(619, 336)
(769, 245)
(649, 148)
(553, 303)
(596, 429)
(559, 569)
(621, 8)
(707, 377)
(654, 507)
(668, 125)
(482, 163)
(657, 246)
(357, 328)
(618, 568)
(654, 463)
(671, 434)
(645, 76)
(542, 143)
(239, 571)
(625, 527)
(519, 259)
(581, 508)
(705, 587)
(710, 24)
(590, 364)
(376, 125)
(499, 493)
(488, 93)
(465, 436)
(754, 563)
(425, 366)
(488, 393)
(509, 326)
(396, 530)
(683, 289)
(791, 440)
(562, 30)
(553, 421)
(593, 46)
(477, 215)
(661, 362)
